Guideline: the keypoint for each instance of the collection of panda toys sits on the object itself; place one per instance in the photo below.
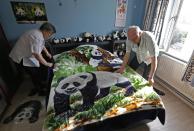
(89, 37)
(76, 39)
(63, 40)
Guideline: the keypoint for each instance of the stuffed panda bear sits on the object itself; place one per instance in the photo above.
(115, 35)
(101, 38)
(55, 41)
(123, 35)
(87, 37)
(108, 38)
(62, 40)
(91, 85)
(68, 39)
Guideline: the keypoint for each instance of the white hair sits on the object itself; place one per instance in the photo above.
(134, 27)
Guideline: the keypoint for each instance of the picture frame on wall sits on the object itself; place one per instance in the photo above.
(29, 12)
(121, 13)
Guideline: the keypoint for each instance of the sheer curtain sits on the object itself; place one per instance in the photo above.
(154, 17)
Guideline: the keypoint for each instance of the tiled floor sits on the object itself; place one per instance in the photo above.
(179, 117)
(20, 98)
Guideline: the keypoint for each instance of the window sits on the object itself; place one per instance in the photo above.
(181, 41)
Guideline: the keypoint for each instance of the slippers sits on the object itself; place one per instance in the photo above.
(159, 92)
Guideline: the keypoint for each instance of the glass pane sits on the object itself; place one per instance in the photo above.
(182, 44)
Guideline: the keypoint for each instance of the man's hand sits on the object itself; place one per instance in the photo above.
(151, 81)
(121, 70)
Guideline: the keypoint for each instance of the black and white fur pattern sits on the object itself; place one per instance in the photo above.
(96, 57)
(91, 85)
(26, 111)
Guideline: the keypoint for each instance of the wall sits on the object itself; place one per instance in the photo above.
(74, 16)
(170, 72)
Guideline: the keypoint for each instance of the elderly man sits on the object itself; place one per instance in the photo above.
(27, 53)
(146, 50)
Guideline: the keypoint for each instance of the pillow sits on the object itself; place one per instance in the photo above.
(97, 57)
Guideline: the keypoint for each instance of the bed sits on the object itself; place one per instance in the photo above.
(86, 93)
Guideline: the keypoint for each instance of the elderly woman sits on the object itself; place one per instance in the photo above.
(146, 51)
(27, 52)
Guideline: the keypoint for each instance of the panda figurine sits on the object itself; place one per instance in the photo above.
(68, 39)
(101, 38)
(79, 39)
(74, 39)
(123, 35)
(62, 40)
(55, 41)
(108, 38)
(115, 35)
(91, 85)
(87, 37)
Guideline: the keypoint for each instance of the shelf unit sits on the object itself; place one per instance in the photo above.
(111, 46)
(119, 48)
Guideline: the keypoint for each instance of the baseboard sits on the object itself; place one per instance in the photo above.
(172, 89)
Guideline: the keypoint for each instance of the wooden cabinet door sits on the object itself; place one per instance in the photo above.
(7, 72)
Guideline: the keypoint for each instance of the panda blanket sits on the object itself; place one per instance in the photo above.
(86, 90)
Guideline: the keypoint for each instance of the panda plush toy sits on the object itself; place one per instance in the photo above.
(88, 37)
(108, 38)
(62, 40)
(92, 86)
(101, 38)
(123, 35)
(68, 39)
(55, 41)
(115, 35)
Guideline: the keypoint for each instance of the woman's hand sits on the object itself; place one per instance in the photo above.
(48, 55)
(50, 64)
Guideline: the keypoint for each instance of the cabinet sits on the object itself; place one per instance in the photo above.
(117, 47)
(58, 48)
(8, 72)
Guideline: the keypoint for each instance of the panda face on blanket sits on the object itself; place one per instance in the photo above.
(96, 52)
(73, 83)
(91, 85)
(96, 57)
